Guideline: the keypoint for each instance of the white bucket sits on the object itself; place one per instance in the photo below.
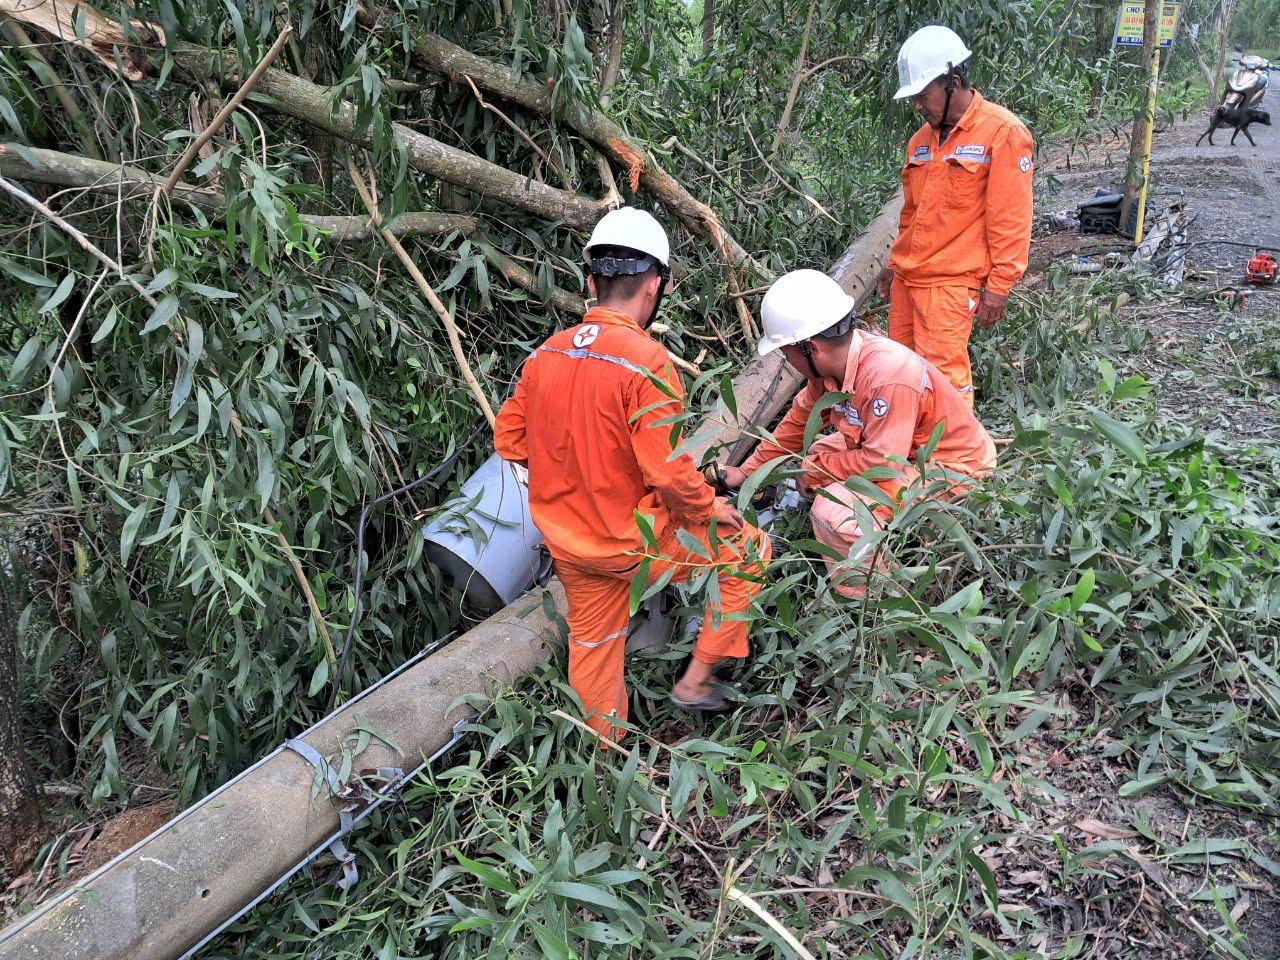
(486, 541)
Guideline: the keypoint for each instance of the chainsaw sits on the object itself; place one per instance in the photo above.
(1261, 270)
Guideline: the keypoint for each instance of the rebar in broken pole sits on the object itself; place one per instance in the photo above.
(451, 328)
(228, 108)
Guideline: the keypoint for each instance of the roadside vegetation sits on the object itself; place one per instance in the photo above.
(1053, 731)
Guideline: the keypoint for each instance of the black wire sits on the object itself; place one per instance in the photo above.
(364, 518)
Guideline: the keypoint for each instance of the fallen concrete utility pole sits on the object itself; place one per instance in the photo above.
(167, 893)
(162, 896)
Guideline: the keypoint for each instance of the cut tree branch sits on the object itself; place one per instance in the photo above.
(312, 104)
(99, 176)
(612, 60)
(451, 328)
(795, 82)
(60, 92)
(435, 53)
(228, 108)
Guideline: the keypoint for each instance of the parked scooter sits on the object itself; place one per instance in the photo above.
(1242, 100)
(1248, 84)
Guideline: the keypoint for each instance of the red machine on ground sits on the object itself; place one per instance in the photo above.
(1261, 269)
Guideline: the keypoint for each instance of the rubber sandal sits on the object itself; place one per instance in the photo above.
(710, 702)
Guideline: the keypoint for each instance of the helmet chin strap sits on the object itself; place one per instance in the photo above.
(657, 305)
(946, 108)
(808, 356)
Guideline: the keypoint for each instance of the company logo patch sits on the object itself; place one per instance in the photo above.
(1025, 164)
(879, 406)
(586, 335)
(921, 151)
(973, 150)
(920, 155)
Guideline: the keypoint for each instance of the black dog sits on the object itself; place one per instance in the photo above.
(1237, 117)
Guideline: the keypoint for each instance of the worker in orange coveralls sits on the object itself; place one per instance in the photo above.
(965, 228)
(586, 419)
(897, 399)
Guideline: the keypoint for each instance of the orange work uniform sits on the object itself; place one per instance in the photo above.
(584, 420)
(898, 399)
(966, 223)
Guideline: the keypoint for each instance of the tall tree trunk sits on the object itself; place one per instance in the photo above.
(708, 25)
(19, 807)
(1137, 139)
(1101, 47)
(1228, 14)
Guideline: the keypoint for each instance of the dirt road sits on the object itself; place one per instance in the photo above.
(1217, 366)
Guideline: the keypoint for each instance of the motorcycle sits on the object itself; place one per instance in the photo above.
(1242, 100)
(1248, 84)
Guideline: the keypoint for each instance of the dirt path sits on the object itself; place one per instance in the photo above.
(1216, 366)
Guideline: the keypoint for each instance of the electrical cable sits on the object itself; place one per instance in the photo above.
(359, 577)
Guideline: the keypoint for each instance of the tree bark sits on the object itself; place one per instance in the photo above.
(708, 26)
(1137, 139)
(99, 176)
(1228, 14)
(310, 103)
(795, 81)
(1204, 67)
(435, 53)
(19, 805)
(611, 61)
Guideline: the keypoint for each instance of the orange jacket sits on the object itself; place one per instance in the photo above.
(898, 400)
(583, 419)
(966, 213)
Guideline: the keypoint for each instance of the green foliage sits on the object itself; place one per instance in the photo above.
(1110, 596)
(168, 635)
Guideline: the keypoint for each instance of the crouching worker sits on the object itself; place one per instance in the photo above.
(898, 398)
(586, 419)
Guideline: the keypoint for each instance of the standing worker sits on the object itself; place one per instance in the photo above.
(965, 229)
(897, 399)
(587, 420)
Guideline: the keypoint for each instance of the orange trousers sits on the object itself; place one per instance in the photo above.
(599, 598)
(936, 322)
(835, 521)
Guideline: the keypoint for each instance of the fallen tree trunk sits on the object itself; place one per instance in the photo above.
(311, 103)
(561, 299)
(433, 52)
(99, 176)
(763, 390)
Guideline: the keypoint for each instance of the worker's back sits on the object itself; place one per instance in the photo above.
(593, 456)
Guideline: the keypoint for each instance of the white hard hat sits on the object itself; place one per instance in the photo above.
(926, 55)
(800, 305)
(634, 229)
